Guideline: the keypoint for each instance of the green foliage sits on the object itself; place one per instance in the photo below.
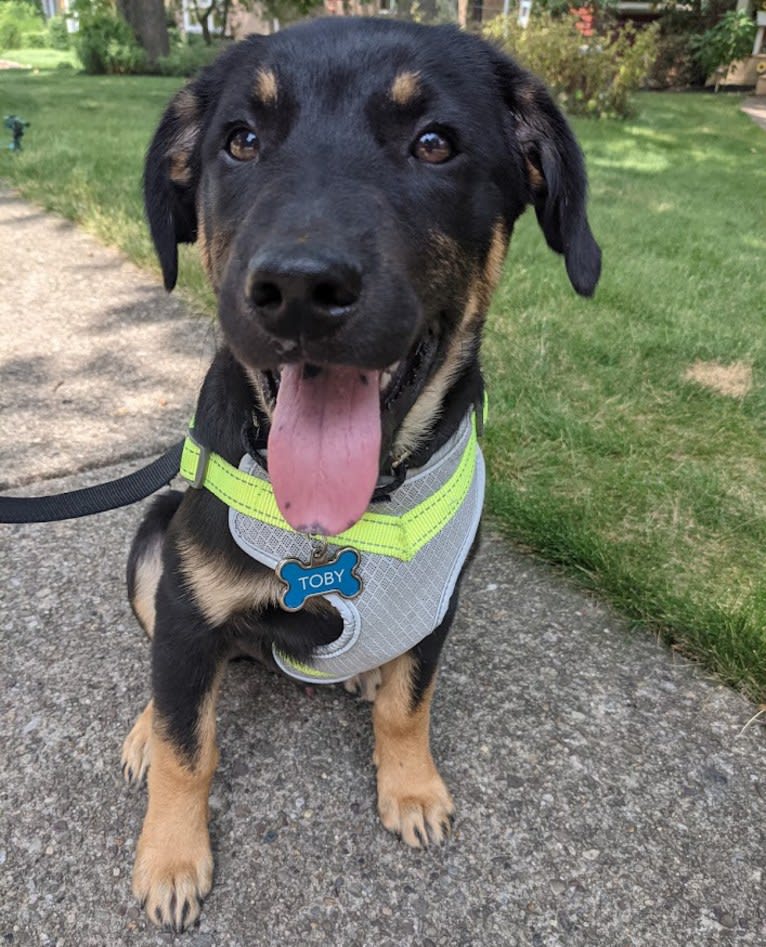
(58, 34)
(104, 42)
(17, 19)
(675, 64)
(38, 39)
(731, 38)
(286, 11)
(682, 24)
(691, 17)
(589, 76)
(22, 26)
(187, 58)
(10, 35)
(602, 9)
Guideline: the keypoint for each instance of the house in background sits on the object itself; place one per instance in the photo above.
(355, 8)
(54, 8)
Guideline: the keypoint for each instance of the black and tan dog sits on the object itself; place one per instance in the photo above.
(352, 185)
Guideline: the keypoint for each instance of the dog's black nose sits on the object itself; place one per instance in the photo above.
(302, 294)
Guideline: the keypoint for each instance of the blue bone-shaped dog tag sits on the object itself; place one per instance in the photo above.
(305, 581)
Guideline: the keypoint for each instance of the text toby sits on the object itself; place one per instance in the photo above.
(304, 581)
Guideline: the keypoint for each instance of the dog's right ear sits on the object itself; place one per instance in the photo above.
(171, 177)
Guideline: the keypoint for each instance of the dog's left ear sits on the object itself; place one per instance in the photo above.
(555, 171)
(171, 177)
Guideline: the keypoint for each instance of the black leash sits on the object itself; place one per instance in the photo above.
(106, 496)
(142, 484)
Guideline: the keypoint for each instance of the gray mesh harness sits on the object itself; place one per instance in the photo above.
(402, 601)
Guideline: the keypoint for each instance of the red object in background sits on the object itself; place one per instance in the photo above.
(584, 18)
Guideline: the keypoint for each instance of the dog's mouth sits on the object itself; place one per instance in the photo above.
(324, 443)
(390, 380)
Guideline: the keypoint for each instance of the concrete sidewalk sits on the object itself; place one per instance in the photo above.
(755, 107)
(607, 791)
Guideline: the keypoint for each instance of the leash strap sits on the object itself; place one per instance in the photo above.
(196, 461)
(106, 496)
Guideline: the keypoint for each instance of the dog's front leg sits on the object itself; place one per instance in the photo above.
(412, 798)
(174, 865)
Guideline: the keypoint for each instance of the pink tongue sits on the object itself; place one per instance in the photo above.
(324, 446)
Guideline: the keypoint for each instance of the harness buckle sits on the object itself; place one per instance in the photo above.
(200, 471)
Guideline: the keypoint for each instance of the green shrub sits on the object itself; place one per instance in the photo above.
(58, 34)
(731, 38)
(36, 40)
(589, 76)
(10, 36)
(675, 64)
(104, 42)
(18, 18)
(186, 59)
(126, 57)
(681, 26)
(175, 37)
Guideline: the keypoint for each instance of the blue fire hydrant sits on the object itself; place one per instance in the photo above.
(16, 127)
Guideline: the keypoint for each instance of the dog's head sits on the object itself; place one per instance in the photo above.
(353, 185)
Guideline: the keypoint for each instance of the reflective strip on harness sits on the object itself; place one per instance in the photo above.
(303, 671)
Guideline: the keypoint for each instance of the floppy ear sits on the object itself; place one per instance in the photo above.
(555, 170)
(171, 176)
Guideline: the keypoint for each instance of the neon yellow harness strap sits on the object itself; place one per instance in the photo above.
(399, 537)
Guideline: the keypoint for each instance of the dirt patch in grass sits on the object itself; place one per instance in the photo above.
(734, 380)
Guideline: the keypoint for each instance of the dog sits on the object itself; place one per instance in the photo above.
(352, 185)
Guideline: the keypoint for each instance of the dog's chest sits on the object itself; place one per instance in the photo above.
(410, 552)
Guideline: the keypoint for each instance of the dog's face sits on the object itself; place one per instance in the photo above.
(354, 185)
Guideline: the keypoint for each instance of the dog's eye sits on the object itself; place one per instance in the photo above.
(242, 144)
(433, 147)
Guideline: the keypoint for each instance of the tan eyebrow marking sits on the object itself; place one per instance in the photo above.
(405, 87)
(265, 86)
(536, 180)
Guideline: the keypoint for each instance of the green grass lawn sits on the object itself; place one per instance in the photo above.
(33, 58)
(83, 155)
(604, 455)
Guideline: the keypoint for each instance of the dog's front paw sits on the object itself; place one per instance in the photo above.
(172, 876)
(418, 807)
(136, 749)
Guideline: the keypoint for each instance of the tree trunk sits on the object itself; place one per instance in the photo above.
(203, 18)
(147, 17)
(204, 22)
(225, 16)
